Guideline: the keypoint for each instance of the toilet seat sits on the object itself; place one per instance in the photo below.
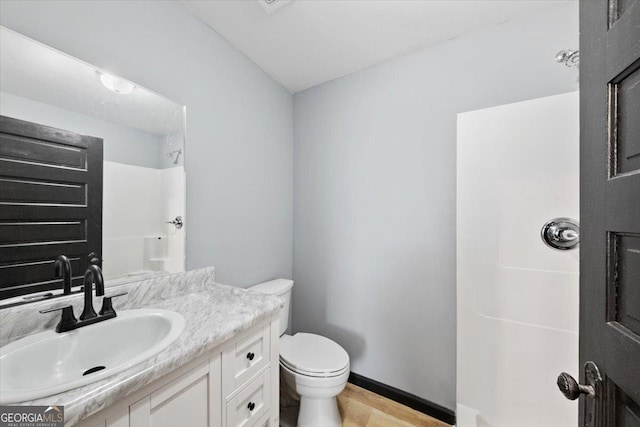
(313, 355)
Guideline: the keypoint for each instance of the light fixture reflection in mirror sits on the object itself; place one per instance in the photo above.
(144, 148)
(116, 85)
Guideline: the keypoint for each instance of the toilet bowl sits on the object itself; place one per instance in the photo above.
(315, 369)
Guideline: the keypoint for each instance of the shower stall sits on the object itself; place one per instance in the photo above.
(517, 262)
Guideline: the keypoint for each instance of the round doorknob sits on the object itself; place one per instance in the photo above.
(570, 387)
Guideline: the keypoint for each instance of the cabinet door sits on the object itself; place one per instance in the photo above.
(119, 419)
(192, 400)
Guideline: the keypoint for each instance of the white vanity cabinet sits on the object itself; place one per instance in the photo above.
(184, 401)
(235, 385)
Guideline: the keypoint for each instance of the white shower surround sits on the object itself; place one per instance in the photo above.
(517, 299)
(137, 203)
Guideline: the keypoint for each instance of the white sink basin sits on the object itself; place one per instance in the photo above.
(47, 363)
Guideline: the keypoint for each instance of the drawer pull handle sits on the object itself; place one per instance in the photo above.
(251, 406)
(250, 356)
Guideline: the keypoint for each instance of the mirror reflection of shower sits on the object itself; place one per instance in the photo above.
(176, 153)
(173, 141)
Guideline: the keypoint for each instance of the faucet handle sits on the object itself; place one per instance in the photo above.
(51, 310)
(68, 319)
(93, 258)
(107, 307)
(119, 294)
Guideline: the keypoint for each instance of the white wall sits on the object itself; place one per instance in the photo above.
(374, 192)
(239, 151)
(517, 298)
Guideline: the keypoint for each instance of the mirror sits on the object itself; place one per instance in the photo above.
(143, 178)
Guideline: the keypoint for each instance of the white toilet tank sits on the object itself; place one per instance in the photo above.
(281, 288)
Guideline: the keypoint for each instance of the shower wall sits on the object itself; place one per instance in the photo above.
(144, 243)
(517, 299)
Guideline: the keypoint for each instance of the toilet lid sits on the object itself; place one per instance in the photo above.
(313, 354)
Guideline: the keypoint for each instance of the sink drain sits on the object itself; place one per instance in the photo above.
(92, 370)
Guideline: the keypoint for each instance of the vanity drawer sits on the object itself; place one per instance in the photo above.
(251, 403)
(245, 359)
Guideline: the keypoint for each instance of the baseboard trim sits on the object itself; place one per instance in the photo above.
(412, 401)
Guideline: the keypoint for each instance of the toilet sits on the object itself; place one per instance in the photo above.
(313, 367)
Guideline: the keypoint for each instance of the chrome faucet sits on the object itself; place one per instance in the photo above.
(63, 271)
(91, 276)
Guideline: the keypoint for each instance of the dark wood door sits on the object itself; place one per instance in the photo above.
(50, 204)
(610, 210)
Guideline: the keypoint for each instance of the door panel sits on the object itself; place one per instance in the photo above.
(38, 151)
(50, 204)
(625, 412)
(624, 107)
(32, 192)
(624, 281)
(610, 208)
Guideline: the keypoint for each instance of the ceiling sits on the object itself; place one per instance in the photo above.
(35, 71)
(308, 42)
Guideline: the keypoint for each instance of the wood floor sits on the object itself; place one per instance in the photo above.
(362, 408)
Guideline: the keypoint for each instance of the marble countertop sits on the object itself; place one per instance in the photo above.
(213, 314)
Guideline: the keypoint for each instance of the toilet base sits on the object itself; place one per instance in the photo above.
(317, 396)
(321, 412)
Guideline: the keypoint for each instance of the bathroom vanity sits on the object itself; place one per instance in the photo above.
(222, 370)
